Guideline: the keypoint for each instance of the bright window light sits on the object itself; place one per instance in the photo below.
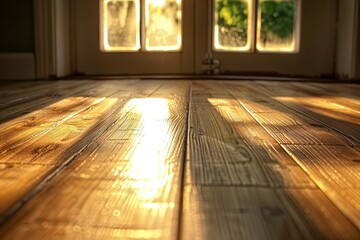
(163, 25)
(278, 26)
(232, 25)
(120, 25)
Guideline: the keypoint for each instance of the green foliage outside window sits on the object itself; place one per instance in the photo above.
(233, 22)
(277, 20)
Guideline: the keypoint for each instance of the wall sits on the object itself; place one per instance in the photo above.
(16, 26)
(357, 70)
(17, 39)
(324, 52)
(52, 35)
(63, 21)
(347, 39)
(317, 45)
(317, 54)
(316, 57)
(358, 59)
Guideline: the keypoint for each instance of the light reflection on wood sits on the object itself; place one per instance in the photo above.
(123, 185)
(148, 170)
(327, 106)
(319, 150)
(120, 25)
(256, 167)
(163, 25)
(216, 208)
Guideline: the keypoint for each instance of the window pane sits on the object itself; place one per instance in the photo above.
(232, 25)
(120, 21)
(163, 25)
(277, 26)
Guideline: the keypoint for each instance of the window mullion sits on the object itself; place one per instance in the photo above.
(142, 25)
(254, 25)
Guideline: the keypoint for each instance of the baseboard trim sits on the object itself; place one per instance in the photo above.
(17, 66)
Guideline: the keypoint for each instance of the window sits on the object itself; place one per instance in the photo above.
(163, 25)
(277, 25)
(120, 25)
(232, 25)
(121, 22)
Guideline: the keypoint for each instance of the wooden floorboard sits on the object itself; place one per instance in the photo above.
(128, 179)
(337, 112)
(28, 100)
(242, 184)
(53, 135)
(228, 147)
(287, 125)
(262, 213)
(326, 155)
(130, 160)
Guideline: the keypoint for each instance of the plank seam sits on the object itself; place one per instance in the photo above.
(183, 165)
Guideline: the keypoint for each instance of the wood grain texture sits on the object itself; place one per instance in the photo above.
(24, 102)
(52, 136)
(109, 160)
(29, 139)
(284, 124)
(130, 183)
(262, 213)
(337, 112)
(325, 156)
(277, 203)
(336, 171)
(16, 180)
(350, 91)
(228, 147)
(16, 91)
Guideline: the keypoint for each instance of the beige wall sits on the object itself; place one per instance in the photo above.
(17, 39)
(319, 53)
(358, 60)
(63, 26)
(347, 39)
(53, 38)
(357, 70)
(17, 66)
(316, 56)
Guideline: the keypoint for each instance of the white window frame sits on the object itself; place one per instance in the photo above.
(254, 18)
(103, 30)
(251, 25)
(141, 42)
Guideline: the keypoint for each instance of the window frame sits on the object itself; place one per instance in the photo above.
(251, 25)
(144, 19)
(141, 14)
(254, 31)
(102, 30)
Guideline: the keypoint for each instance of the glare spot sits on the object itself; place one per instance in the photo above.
(116, 213)
(163, 25)
(148, 170)
(76, 229)
(158, 3)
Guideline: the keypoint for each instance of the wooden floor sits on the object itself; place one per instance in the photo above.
(180, 159)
